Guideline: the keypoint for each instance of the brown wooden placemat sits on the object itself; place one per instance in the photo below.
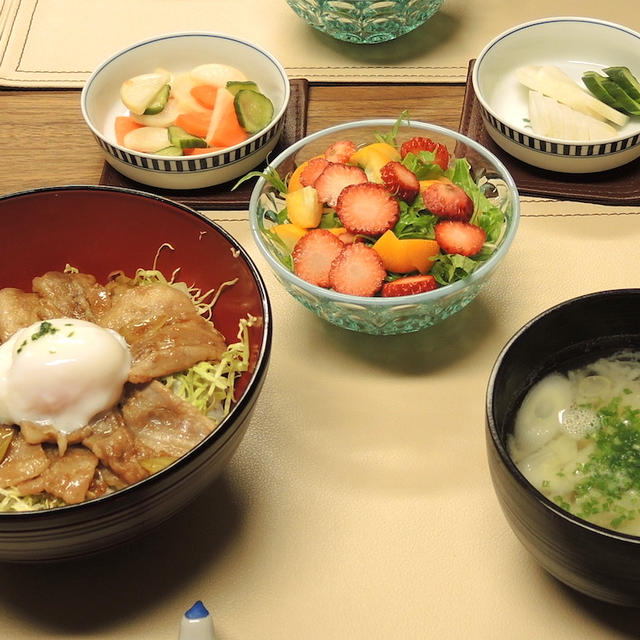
(221, 196)
(615, 187)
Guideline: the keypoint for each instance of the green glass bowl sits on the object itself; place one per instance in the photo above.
(379, 315)
(365, 21)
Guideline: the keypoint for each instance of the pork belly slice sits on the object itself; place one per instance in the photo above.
(67, 477)
(37, 434)
(22, 461)
(164, 423)
(18, 309)
(118, 449)
(71, 295)
(104, 481)
(55, 295)
(174, 347)
(164, 330)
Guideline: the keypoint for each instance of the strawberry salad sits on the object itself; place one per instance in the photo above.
(384, 219)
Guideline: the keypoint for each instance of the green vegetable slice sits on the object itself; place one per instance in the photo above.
(159, 101)
(169, 151)
(594, 82)
(625, 80)
(623, 101)
(184, 140)
(254, 110)
(233, 86)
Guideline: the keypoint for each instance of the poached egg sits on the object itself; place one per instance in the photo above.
(61, 373)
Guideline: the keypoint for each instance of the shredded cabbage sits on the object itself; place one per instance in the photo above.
(209, 386)
(12, 500)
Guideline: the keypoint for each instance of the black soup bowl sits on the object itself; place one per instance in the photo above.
(99, 230)
(596, 561)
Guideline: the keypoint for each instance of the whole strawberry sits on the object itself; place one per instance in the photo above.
(421, 143)
(409, 285)
(448, 200)
(400, 181)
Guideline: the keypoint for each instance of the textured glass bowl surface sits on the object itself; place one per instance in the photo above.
(377, 315)
(365, 21)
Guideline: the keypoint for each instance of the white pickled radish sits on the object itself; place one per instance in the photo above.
(553, 82)
(224, 99)
(147, 139)
(216, 74)
(164, 118)
(138, 92)
(551, 119)
(181, 92)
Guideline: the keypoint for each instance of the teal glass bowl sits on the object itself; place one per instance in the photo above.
(365, 21)
(379, 315)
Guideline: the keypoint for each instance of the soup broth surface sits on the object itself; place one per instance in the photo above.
(576, 439)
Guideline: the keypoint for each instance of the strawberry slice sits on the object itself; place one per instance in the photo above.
(409, 285)
(421, 143)
(340, 151)
(314, 168)
(313, 255)
(448, 200)
(357, 271)
(367, 208)
(400, 181)
(334, 179)
(464, 238)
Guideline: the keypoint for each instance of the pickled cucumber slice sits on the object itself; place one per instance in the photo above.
(184, 140)
(254, 110)
(169, 151)
(624, 102)
(593, 82)
(159, 101)
(625, 80)
(164, 118)
(235, 86)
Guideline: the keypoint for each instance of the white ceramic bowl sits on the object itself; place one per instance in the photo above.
(179, 52)
(575, 45)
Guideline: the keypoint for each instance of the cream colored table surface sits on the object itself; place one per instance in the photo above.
(359, 504)
(47, 43)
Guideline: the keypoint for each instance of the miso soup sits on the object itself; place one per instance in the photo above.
(576, 438)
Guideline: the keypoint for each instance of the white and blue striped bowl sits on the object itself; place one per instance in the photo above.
(178, 52)
(575, 45)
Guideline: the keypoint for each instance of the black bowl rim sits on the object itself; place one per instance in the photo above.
(227, 423)
(499, 445)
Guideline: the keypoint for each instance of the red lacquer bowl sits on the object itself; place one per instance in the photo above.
(100, 230)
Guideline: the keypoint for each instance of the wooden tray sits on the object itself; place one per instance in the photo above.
(616, 187)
